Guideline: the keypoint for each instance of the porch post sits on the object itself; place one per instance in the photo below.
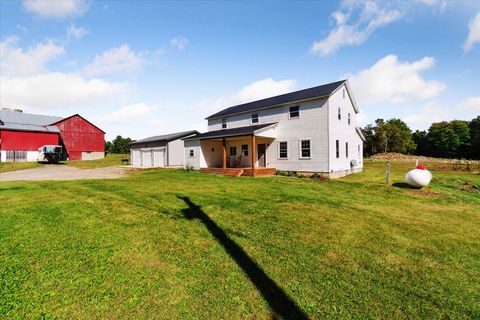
(254, 154)
(224, 141)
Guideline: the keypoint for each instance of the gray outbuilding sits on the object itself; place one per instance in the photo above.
(160, 151)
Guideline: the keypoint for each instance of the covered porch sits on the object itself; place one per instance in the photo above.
(238, 151)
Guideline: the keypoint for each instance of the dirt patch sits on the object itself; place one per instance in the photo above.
(63, 172)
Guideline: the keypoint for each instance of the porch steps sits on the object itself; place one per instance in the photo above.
(229, 172)
(236, 172)
(259, 172)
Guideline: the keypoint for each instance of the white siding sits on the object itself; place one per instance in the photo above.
(198, 159)
(312, 124)
(175, 153)
(342, 131)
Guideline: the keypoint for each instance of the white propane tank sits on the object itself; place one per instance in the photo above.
(419, 177)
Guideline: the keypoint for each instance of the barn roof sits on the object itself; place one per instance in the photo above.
(14, 120)
(166, 137)
(306, 94)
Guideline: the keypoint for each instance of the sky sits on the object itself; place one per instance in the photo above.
(142, 68)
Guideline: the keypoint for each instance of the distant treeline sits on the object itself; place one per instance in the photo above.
(447, 139)
(118, 145)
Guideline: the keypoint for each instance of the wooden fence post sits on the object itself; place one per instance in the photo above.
(388, 174)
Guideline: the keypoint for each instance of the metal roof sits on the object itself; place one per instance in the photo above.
(167, 137)
(224, 133)
(315, 92)
(13, 120)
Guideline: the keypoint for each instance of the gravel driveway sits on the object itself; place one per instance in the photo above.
(63, 172)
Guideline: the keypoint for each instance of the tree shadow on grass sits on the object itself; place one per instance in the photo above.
(280, 303)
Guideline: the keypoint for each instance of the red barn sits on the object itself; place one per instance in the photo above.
(22, 134)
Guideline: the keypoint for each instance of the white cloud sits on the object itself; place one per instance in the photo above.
(15, 61)
(26, 82)
(473, 33)
(179, 43)
(429, 114)
(128, 114)
(56, 90)
(257, 90)
(355, 22)
(115, 60)
(390, 80)
(471, 104)
(55, 8)
(76, 33)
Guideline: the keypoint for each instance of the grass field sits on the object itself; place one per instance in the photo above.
(109, 161)
(174, 244)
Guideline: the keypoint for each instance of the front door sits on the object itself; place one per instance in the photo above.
(261, 155)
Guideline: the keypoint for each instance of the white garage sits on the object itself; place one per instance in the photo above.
(160, 151)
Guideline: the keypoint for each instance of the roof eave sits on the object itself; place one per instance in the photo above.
(273, 106)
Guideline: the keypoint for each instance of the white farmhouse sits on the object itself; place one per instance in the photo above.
(160, 151)
(311, 130)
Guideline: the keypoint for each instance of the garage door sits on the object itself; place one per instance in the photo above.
(147, 159)
(158, 158)
(136, 159)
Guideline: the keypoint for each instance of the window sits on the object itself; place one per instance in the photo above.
(305, 148)
(244, 149)
(337, 142)
(294, 112)
(343, 93)
(339, 114)
(224, 123)
(255, 118)
(233, 151)
(346, 149)
(359, 151)
(349, 118)
(283, 150)
(192, 153)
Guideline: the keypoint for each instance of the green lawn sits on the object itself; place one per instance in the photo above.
(110, 160)
(13, 166)
(174, 244)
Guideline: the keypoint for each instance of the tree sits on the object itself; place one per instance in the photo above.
(394, 136)
(419, 138)
(108, 146)
(474, 127)
(370, 144)
(448, 139)
(120, 145)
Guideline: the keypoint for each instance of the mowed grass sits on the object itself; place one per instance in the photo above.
(14, 166)
(110, 160)
(140, 247)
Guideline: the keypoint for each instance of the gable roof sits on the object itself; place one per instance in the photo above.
(166, 137)
(224, 133)
(76, 115)
(306, 94)
(14, 120)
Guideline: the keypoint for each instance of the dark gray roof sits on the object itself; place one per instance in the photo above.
(224, 133)
(320, 91)
(14, 120)
(167, 137)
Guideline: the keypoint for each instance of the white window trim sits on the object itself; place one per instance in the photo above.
(278, 153)
(292, 118)
(251, 119)
(300, 149)
(190, 155)
(224, 121)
